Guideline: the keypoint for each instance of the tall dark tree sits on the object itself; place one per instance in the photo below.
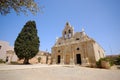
(27, 43)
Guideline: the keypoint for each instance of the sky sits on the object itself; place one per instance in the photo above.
(99, 18)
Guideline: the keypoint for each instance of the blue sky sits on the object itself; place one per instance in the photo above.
(100, 19)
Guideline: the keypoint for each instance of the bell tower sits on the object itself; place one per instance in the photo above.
(68, 31)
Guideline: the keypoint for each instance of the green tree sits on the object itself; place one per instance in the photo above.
(117, 60)
(18, 6)
(27, 43)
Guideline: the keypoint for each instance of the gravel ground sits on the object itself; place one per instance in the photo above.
(46, 72)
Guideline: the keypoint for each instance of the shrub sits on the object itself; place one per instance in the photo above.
(117, 60)
(1, 61)
(104, 63)
(15, 63)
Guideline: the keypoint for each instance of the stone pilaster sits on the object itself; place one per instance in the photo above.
(85, 62)
(62, 61)
(72, 62)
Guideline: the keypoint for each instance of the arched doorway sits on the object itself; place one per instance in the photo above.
(7, 59)
(58, 60)
(78, 58)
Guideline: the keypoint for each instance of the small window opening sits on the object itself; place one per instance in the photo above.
(59, 51)
(77, 38)
(59, 43)
(78, 48)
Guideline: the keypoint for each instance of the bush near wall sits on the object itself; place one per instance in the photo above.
(117, 61)
(15, 63)
(1, 61)
(114, 58)
(104, 63)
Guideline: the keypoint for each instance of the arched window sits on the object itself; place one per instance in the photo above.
(59, 51)
(69, 31)
(0, 46)
(65, 34)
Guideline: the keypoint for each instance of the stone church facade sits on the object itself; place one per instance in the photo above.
(76, 48)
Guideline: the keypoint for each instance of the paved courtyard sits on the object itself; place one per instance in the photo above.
(55, 72)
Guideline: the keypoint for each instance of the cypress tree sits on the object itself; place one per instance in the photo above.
(27, 43)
